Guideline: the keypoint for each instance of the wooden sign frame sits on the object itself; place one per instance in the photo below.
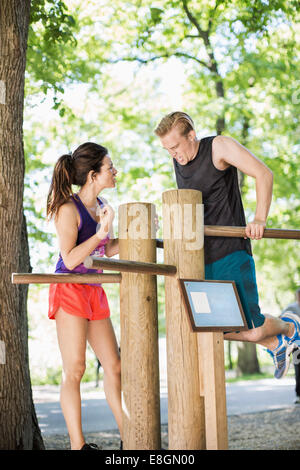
(224, 327)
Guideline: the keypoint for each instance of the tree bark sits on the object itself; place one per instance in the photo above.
(247, 352)
(212, 65)
(18, 425)
(247, 359)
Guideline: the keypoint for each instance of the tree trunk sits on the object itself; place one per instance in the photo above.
(247, 353)
(247, 359)
(220, 124)
(18, 425)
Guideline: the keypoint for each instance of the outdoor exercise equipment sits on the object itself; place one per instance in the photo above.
(197, 416)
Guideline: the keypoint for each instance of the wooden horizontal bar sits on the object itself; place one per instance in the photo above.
(130, 266)
(59, 278)
(239, 232)
(222, 231)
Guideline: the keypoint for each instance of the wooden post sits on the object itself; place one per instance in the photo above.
(196, 374)
(186, 424)
(139, 331)
(213, 389)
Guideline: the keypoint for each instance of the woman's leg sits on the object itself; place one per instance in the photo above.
(102, 339)
(71, 334)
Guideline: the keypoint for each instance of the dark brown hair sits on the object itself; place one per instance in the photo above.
(73, 169)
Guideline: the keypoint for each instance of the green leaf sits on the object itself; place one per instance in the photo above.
(156, 14)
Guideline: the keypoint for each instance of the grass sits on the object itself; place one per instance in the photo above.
(261, 375)
(53, 375)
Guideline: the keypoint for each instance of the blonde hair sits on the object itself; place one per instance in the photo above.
(178, 118)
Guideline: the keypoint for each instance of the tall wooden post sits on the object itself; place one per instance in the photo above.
(195, 361)
(213, 389)
(182, 209)
(139, 331)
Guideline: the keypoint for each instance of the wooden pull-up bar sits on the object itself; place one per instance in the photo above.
(140, 267)
(130, 266)
(222, 231)
(59, 278)
(240, 232)
(197, 417)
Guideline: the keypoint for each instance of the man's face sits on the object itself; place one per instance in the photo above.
(181, 147)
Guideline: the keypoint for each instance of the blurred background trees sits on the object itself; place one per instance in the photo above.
(108, 71)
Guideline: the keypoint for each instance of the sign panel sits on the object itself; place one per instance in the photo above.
(213, 305)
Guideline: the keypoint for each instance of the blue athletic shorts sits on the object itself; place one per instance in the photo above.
(239, 267)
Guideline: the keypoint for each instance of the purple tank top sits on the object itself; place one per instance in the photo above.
(86, 229)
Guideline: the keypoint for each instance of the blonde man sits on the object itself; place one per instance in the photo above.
(210, 165)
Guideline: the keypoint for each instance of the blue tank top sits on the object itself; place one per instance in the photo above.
(87, 228)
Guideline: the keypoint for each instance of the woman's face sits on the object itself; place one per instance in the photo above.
(107, 175)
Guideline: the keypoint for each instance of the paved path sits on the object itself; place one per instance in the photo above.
(242, 397)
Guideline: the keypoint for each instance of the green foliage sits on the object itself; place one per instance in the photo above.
(117, 53)
(52, 375)
(51, 31)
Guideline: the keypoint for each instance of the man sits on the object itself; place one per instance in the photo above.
(295, 309)
(210, 166)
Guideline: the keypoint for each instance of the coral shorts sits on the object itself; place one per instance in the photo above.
(81, 300)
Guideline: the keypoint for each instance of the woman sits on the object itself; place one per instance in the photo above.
(84, 226)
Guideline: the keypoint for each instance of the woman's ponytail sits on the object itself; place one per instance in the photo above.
(61, 185)
(73, 169)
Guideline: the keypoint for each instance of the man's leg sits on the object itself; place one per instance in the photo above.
(279, 347)
(273, 333)
(265, 335)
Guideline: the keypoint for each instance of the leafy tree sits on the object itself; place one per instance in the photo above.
(19, 429)
(237, 80)
(239, 59)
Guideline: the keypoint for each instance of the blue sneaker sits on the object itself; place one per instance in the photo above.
(281, 357)
(292, 318)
